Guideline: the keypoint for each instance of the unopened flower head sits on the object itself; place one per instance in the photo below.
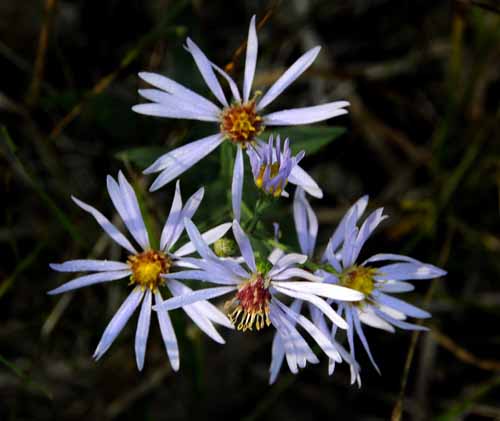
(272, 166)
(340, 266)
(240, 121)
(258, 288)
(146, 270)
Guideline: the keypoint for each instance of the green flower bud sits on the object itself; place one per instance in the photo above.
(224, 247)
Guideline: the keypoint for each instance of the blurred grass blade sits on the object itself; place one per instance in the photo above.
(26, 379)
(39, 190)
(21, 267)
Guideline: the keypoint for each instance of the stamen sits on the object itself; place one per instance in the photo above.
(147, 268)
(241, 123)
(250, 306)
(359, 278)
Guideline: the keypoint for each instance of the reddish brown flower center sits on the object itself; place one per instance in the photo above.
(240, 123)
(251, 305)
(147, 268)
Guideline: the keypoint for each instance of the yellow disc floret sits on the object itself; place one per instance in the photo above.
(147, 268)
(240, 123)
(359, 278)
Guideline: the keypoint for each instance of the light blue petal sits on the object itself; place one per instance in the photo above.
(106, 225)
(94, 278)
(244, 246)
(168, 334)
(175, 162)
(408, 271)
(237, 183)
(118, 321)
(89, 265)
(142, 332)
(401, 305)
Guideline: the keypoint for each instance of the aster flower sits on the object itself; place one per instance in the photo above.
(240, 122)
(379, 309)
(145, 269)
(271, 166)
(259, 288)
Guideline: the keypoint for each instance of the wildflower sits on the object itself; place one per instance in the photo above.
(378, 309)
(145, 270)
(240, 122)
(271, 166)
(258, 288)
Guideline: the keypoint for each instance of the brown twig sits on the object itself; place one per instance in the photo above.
(462, 354)
(41, 53)
(397, 411)
(229, 67)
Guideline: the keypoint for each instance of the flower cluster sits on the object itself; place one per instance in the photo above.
(302, 296)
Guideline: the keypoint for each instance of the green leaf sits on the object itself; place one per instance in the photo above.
(143, 156)
(307, 139)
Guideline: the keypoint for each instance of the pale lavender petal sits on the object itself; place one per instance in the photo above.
(188, 211)
(170, 111)
(135, 224)
(118, 321)
(142, 332)
(173, 219)
(168, 334)
(278, 350)
(401, 305)
(192, 297)
(206, 71)
(94, 278)
(85, 265)
(237, 183)
(367, 315)
(251, 59)
(361, 335)
(198, 318)
(230, 81)
(276, 316)
(399, 323)
(244, 245)
(210, 236)
(195, 236)
(306, 222)
(215, 277)
(300, 178)
(390, 256)
(179, 91)
(319, 303)
(287, 260)
(174, 106)
(324, 343)
(407, 271)
(175, 162)
(107, 226)
(306, 115)
(339, 234)
(394, 286)
(293, 72)
(206, 308)
(373, 220)
(335, 292)
(296, 273)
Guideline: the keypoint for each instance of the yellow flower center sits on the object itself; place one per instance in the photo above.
(147, 268)
(359, 278)
(251, 305)
(259, 181)
(240, 123)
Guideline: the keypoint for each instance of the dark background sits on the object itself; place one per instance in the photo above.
(422, 139)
